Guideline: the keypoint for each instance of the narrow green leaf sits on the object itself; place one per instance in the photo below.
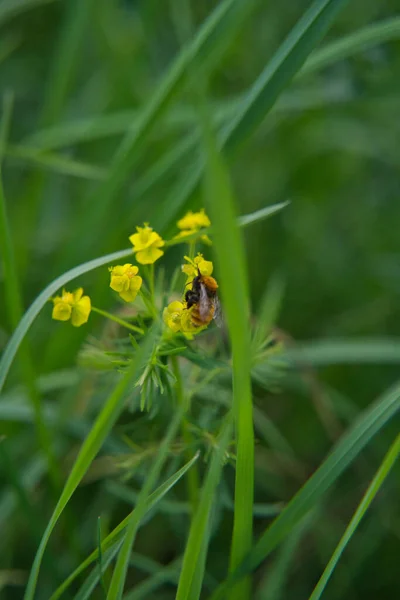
(200, 522)
(260, 215)
(347, 449)
(35, 308)
(58, 163)
(101, 428)
(330, 352)
(121, 568)
(362, 508)
(113, 540)
(144, 589)
(282, 67)
(358, 41)
(276, 577)
(230, 259)
(101, 566)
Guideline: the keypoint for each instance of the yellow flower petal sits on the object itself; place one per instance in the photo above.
(119, 283)
(61, 310)
(81, 311)
(149, 255)
(77, 295)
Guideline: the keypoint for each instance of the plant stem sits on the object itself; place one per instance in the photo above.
(192, 249)
(193, 478)
(116, 319)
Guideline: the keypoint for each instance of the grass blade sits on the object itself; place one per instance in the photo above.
(144, 589)
(35, 308)
(331, 352)
(283, 66)
(234, 293)
(362, 508)
(58, 163)
(101, 564)
(358, 41)
(121, 568)
(114, 538)
(277, 574)
(101, 428)
(260, 215)
(199, 526)
(12, 293)
(347, 449)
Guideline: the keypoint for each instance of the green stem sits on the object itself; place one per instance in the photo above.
(193, 478)
(116, 319)
(151, 282)
(192, 249)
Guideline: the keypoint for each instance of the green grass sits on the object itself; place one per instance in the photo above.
(262, 436)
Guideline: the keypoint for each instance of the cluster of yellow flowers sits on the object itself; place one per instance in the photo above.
(125, 280)
(176, 315)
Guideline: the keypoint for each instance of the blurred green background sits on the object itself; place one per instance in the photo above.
(81, 71)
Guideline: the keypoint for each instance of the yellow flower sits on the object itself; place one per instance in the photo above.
(198, 264)
(193, 221)
(178, 318)
(126, 281)
(146, 244)
(72, 305)
(172, 315)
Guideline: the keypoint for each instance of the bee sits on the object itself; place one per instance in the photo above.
(204, 299)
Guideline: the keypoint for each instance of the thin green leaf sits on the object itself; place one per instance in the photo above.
(113, 540)
(330, 352)
(229, 253)
(283, 66)
(100, 430)
(168, 574)
(121, 568)
(276, 578)
(362, 508)
(57, 163)
(260, 215)
(358, 41)
(200, 522)
(101, 567)
(268, 312)
(347, 449)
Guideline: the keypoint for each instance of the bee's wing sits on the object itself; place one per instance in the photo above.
(218, 312)
(204, 303)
